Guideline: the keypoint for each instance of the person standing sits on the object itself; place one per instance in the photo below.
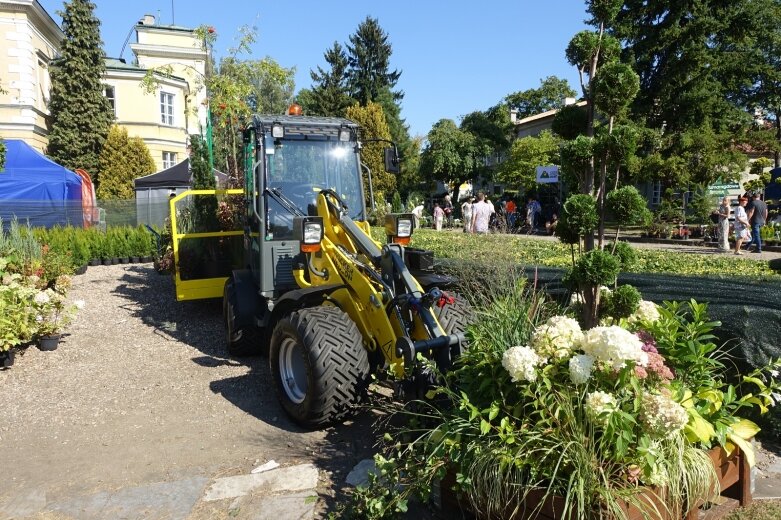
(532, 210)
(439, 216)
(448, 211)
(511, 208)
(757, 217)
(466, 213)
(481, 214)
(417, 213)
(741, 225)
(723, 212)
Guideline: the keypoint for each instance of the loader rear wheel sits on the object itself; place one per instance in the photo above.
(242, 340)
(319, 365)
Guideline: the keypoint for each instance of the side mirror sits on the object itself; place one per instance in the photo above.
(392, 160)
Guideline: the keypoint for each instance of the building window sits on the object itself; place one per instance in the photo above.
(167, 108)
(109, 93)
(169, 159)
(656, 193)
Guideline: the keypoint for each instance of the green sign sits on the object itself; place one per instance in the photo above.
(723, 188)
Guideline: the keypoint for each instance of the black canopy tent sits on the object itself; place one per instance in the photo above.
(154, 191)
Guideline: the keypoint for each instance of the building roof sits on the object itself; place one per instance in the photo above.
(121, 65)
(543, 115)
(165, 27)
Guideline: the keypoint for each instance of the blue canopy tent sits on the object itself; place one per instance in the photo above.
(36, 189)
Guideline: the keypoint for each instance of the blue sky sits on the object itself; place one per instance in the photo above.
(455, 57)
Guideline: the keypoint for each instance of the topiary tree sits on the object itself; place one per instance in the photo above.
(2, 155)
(396, 205)
(122, 160)
(80, 114)
(627, 207)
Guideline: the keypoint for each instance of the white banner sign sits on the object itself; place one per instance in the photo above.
(547, 174)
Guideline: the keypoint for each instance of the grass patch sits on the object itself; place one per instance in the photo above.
(515, 250)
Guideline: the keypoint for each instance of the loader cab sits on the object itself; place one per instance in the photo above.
(288, 160)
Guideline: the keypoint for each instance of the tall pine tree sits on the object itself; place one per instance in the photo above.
(329, 90)
(369, 60)
(80, 114)
(369, 78)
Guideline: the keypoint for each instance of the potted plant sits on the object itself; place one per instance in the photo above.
(630, 419)
(53, 314)
(16, 314)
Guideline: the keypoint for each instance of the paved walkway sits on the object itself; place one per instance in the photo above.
(683, 246)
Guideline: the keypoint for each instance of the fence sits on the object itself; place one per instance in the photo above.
(108, 213)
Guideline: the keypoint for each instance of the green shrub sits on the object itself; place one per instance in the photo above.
(621, 302)
(595, 268)
(625, 253)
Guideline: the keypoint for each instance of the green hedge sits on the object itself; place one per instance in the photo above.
(84, 245)
(517, 250)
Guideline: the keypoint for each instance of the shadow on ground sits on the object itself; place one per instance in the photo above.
(151, 298)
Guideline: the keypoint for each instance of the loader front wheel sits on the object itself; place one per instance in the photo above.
(319, 365)
(455, 317)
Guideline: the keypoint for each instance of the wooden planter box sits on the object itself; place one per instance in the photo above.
(733, 473)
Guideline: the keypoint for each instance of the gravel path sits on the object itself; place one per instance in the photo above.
(140, 391)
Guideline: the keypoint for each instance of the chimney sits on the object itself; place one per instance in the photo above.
(149, 19)
(513, 115)
(569, 101)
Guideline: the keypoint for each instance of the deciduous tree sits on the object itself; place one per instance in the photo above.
(373, 126)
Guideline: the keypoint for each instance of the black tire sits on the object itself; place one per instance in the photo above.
(242, 340)
(454, 317)
(328, 351)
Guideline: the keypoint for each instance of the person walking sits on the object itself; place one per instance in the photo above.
(439, 216)
(741, 225)
(532, 211)
(757, 217)
(466, 213)
(481, 214)
(723, 223)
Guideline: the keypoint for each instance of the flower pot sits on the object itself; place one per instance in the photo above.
(124, 260)
(94, 262)
(114, 261)
(7, 358)
(48, 343)
(734, 475)
(106, 261)
(81, 270)
(134, 259)
(537, 506)
(146, 259)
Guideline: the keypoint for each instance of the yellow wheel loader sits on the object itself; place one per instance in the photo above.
(328, 304)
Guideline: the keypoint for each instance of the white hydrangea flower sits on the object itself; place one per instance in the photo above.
(580, 368)
(614, 345)
(42, 298)
(557, 337)
(646, 311)
(599, 404)
(520, 363)
(662, 415)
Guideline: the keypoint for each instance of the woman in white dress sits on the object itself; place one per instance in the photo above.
(742, 232)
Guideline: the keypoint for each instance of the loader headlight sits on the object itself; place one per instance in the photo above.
(398, 227)
(404, 228)
(309, 232)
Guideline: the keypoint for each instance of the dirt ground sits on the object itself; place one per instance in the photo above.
(142, 391)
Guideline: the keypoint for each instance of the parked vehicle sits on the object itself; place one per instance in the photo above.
(327, 303)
